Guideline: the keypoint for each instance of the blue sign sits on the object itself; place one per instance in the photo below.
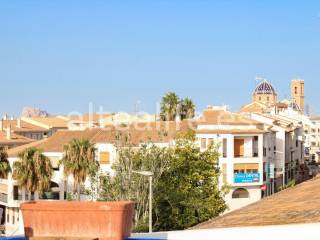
(246, 177)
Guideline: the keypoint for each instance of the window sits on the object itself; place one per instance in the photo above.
(297, 143)
(104, 157)
(268, 98)
(245, 168)
(53, 193)
(203, 143)
(17, 214)
(238, 147)
(224, 172)
(259, 98)
(16, 195)
(264, 152)
(8, 216)
(32, 196)
(224, 146)
(295, 90)
(240, 193)
(210, 141)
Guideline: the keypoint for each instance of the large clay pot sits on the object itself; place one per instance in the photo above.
(103, 220)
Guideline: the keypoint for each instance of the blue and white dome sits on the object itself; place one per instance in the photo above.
(265, 88)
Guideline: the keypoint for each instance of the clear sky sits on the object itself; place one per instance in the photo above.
(61, 55)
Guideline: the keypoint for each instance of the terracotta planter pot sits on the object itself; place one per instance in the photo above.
(103, 220)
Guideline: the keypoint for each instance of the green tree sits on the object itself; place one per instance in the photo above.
(4, 163)
(187, 108)
(33, 170)
(79, 161)
(129, 186)
(185, 183)
(169, 106)
(188, 191)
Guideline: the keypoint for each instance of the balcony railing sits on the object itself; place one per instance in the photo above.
(17, 197)
(253, 155)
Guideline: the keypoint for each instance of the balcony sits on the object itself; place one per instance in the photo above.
(246, 147)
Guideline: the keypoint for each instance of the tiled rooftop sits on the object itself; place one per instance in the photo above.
(300, 204)
(24, 126)
(141, 132)
(211, 116)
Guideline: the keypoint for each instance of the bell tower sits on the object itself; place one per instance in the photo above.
(297, 92)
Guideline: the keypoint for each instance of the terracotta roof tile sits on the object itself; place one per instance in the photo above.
(24, 126)
(231, 131)
(299, 204)
(210, 116)
(48, 122)
(142, 132)
(15, 138)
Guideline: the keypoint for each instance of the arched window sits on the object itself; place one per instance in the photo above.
(240, 193)
(52, 193)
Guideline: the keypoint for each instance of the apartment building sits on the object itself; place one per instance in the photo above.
(35, 128)
(314, 132)
(246, 160)
(10, 140)
(289, 151)
(257, 155)
(106, 142)
(23, 128)
(50, 124)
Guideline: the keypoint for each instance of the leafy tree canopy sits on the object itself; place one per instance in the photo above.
(186, 189)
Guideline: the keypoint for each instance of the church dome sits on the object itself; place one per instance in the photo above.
(265, 88)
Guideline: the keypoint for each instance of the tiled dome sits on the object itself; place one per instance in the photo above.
(265, 88)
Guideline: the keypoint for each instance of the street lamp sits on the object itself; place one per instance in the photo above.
(149, 175)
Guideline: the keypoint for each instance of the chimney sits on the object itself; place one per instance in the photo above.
(18, 123)
(8, 132)
(5, 117)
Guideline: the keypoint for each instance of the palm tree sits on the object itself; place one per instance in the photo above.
(79, 161)
(188, 108)
(4, 163)
(169, 105)
(33, 171)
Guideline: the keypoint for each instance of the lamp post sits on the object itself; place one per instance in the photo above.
(149, 175)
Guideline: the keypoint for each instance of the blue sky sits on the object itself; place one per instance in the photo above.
(61, 55)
